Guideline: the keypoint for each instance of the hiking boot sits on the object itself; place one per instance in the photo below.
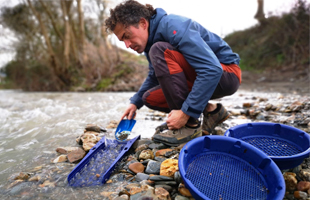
(211, 120)
(161, 128)
(178, 136)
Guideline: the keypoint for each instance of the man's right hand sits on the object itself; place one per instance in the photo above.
(130, 112)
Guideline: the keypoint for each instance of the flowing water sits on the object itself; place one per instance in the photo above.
(33, 125)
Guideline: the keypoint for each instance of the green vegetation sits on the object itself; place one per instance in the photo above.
(278, 41)
(59, 48)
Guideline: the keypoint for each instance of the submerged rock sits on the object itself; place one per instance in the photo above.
(61, 158)
(65, 150)
(95, 128)
(76, 155)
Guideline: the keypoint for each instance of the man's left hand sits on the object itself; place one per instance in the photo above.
(176, 119)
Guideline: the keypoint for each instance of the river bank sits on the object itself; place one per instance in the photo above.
(286, 81)
(34, 125)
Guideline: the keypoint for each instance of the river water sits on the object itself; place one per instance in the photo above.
(33, 125)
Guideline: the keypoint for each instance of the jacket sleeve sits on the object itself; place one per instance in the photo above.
(185, 35)
(149, 82)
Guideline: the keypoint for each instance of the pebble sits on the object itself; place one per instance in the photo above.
(66, 150)
(162, 193)
(169, 167)
(162, 152)
(303, 186)
(61, 158)
(95, 128)
(290, 180)
(160, 178)
(22, 176)
(136, 167)
(141, 147)
(153, 167)
(184, 191)
(142, 176)
(300, 195)
(146, 154)
(76, 155)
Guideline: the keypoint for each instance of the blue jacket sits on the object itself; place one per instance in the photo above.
(202, 49)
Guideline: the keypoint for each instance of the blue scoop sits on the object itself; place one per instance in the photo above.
(124, 128)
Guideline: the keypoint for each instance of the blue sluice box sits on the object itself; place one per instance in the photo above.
(97, 166)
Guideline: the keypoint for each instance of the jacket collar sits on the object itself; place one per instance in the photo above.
(153, 24)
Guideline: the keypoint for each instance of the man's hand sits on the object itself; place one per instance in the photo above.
(130, 112)
(177, 119)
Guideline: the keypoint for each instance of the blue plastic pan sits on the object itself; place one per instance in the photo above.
(287, 146)
(218, 167)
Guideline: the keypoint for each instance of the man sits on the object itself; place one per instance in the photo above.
(188, 66)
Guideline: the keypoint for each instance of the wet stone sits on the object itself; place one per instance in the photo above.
(184, 191)
(147, 182)
(161, 193)
(18, 188)
(153, 167)
(129, 163)
(95, 128)
(162, 152)
(131, 185)
(88, 146)
(135, 190)
(141, 147)
(300, 195)
(144, 162)
(179, 197)
(66, 150)
(107, 194)
(160, 158)
(122, 197)
(305, 174)
(171, 183)
(76, 155)
(290, 180)
(141, 177)
(303, 185)
(169, 167)
(166, 187)
(146, 154)
(22, 176)
(136, 167)
(34, 178)
(160, 178)
(177, 177)
(14, 183)
(61, 158)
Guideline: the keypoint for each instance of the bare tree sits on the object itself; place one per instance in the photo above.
(260, 15)
(53, 60)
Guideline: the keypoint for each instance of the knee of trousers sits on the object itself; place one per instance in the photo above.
(158, 49)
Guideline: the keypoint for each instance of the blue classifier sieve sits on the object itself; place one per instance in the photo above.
(218, 167)
(287, 146)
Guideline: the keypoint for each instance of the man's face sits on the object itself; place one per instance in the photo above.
(133, 37)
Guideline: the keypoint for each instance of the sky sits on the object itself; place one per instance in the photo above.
(219, 16)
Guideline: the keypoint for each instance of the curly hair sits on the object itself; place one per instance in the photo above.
(128, 13)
